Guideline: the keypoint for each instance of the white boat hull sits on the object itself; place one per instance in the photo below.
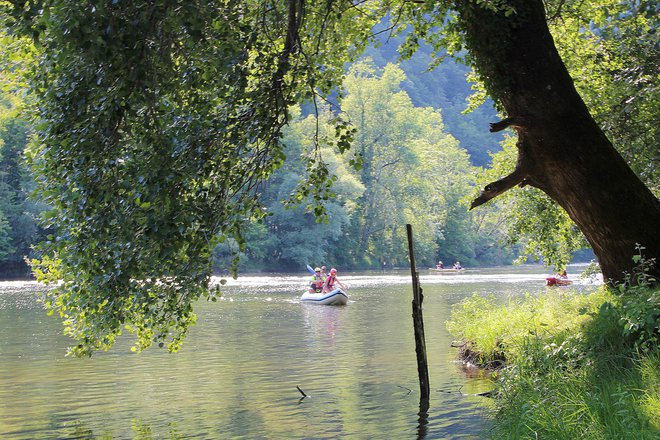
(446, 270)
(336, 297)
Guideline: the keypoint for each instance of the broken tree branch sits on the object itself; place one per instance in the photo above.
(498, 187)
(513, 121)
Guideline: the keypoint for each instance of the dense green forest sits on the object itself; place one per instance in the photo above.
(19, 214)
(407, 105)
(419, 154)
(413, 170)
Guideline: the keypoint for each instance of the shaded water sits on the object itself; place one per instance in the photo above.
(237, 373)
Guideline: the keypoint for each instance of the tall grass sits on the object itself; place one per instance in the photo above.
(570, 372)
(491, 328)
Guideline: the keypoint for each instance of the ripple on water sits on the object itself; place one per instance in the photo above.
(237, 373)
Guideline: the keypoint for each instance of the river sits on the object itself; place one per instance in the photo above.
(236, 376)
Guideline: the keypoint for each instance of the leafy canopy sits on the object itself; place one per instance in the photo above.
(158, 121)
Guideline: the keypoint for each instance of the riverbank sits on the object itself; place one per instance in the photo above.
(568, 365)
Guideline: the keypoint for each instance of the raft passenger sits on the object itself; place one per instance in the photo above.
(328, 285)
(316, 285)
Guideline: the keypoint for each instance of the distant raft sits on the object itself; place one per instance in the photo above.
(557, 281)
(336, 297)
(448, 270)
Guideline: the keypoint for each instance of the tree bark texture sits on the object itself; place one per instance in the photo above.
(561, 149)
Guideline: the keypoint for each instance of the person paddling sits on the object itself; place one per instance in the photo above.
(328, 285)
(316, 286)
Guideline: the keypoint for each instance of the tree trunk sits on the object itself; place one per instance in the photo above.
(561, 149)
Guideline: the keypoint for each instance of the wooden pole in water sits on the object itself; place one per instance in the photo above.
(418, 324)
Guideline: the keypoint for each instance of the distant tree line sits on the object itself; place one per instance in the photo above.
(19, 214)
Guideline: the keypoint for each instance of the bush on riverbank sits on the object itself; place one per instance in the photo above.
(575, 365)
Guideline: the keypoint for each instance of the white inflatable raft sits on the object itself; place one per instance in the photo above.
(335, 298)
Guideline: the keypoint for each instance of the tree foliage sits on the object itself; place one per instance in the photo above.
(532, 219)
(405, 151)
(608, 48)
(293, 235)
(18, 214)
(159, 122)
(447, 86)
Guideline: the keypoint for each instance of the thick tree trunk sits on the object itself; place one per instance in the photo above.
(562, 150)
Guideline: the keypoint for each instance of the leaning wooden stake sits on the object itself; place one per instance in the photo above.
(418, 324)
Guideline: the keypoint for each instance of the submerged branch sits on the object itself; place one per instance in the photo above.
(490, 393)
(405, 388)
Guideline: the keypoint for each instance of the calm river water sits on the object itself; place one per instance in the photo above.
(237, 374)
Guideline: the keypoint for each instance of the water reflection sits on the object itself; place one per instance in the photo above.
(423, 419)
(238, 373)
(322, 323)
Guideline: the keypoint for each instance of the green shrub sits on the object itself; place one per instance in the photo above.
(637, 317)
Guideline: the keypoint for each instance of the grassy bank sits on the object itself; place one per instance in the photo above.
(569, 365)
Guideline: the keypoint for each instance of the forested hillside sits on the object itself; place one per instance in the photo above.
(446, 87)
(412, 170)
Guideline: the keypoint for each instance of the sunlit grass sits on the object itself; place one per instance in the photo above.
(650, 401)
(492, 328)
(609, 401)
(569, 372)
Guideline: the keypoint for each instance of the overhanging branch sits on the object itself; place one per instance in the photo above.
(496, 188)
(513, 121)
